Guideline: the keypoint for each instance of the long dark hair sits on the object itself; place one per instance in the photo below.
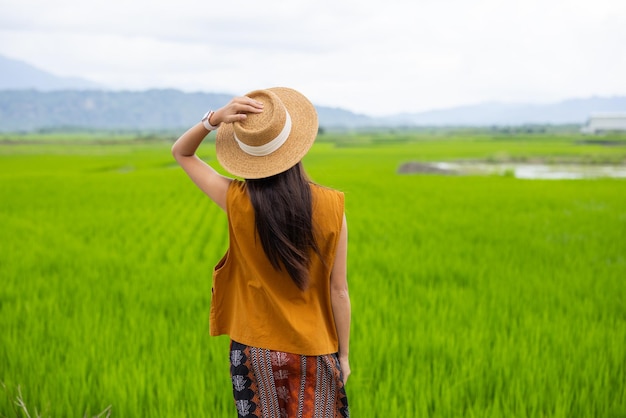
(283, 215)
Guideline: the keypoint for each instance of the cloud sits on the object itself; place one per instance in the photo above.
(366, 56)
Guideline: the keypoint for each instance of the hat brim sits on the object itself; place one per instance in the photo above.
(303, 132)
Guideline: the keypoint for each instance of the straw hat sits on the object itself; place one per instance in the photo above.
(268, 143)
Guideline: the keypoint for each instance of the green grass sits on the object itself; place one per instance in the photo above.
(472, 296)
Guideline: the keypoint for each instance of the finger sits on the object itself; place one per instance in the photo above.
(237, 117)
(247, 101)
(251, 102)
(346, 374)
(248, 108)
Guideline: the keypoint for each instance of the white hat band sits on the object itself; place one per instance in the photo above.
(270, 147)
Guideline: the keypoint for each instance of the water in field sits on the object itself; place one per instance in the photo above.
(529, 170)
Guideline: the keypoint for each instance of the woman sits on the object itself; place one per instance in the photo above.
(280, 292)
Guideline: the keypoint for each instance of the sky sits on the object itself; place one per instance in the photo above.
(372, 57)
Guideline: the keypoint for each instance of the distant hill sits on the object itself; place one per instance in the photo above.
(572, 111)
(29, 110)
(33, 99)
(18, 75)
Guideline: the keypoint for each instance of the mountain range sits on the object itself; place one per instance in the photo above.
(34, 99)
(18, 75)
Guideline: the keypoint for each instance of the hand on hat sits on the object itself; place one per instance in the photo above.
(236, 110)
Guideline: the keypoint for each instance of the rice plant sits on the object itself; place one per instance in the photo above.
(473, 296)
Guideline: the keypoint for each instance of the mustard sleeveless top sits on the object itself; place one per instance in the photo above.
(256, 305)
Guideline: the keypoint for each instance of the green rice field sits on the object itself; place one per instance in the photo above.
(472, 296)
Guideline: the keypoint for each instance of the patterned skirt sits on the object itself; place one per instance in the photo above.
(273, 384)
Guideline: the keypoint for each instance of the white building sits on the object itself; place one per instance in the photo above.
(603, 122)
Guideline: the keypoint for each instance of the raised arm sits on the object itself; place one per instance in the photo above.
(184, 149)
(340, 300)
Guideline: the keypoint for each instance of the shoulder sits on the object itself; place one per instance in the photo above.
(326, 191)
(236, 193)
(236, 188)
(329, 197)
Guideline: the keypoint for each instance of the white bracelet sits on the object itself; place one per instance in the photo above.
(206, 123)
